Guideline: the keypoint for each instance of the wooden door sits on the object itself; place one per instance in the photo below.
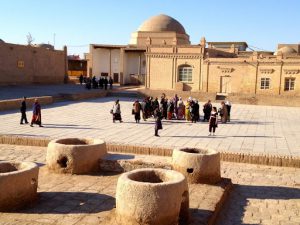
(225, 84)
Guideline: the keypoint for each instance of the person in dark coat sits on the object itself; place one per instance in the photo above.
(23, 111)
(101, 82)
(207, 110)
(213, 121)
(195, 111)
(110, 82)
(158, 124)
(81, 79)
(105, 83)
(137, 111)
(36, 114)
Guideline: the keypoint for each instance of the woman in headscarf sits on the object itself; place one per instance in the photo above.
(170, 109)
(181, 109)
(187, 109)
(137, 111)
(116, 111)
(223, 112)
(36, 115)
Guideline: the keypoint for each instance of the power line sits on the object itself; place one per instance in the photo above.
(261, 49)
(77, 46)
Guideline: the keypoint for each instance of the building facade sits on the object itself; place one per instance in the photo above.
(161, 57)
(22, 64)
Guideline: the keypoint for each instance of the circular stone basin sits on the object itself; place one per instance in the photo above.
(18, 184)
(152, 197)
(75, 155)
(197, 165)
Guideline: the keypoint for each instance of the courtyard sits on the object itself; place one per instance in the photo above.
(270, 130)
(260, 195)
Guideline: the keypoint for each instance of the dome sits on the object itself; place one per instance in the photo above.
(162, 23)
(286, 50)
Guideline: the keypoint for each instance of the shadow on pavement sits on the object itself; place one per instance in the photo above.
(234, 209)
(71, 202)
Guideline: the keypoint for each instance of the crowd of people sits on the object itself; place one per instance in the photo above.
(176, 109)
(169, 109)
(95, 83)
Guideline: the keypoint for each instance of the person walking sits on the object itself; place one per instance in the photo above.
(207, 110)
(213, 121)
(110, 83)
(116, 111)
(23, 111)
(175, 101)
(223, 112)
(105, 83)
(195, 111)
(158, 124)
(137, 111)
(36, 115)
(228, 106)
(181, 109)
(188, 109)
(81, 79)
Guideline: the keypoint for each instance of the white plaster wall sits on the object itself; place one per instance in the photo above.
(131, 65)
(100, 61)
(115, 61)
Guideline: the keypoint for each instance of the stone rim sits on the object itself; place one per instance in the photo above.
(25, 166)
(177, 177)
(196, 151)
(88, 142)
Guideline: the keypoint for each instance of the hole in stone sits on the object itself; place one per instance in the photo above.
(33, 181)
(63, 162)
(194, 150)
(149, 177)
(190, 170)
(73, 141)
(8, 167)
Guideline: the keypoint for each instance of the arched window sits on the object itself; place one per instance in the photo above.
(185, 73)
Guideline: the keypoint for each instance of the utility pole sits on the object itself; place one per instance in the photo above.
(54, 40)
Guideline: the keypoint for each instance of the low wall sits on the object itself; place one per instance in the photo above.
(269, 160)
(46, 100)
(16, 103)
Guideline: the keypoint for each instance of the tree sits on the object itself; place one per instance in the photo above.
(30, 39)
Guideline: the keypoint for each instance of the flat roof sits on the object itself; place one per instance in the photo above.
(228, 42)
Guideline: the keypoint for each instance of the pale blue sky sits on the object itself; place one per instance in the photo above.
(261, 23)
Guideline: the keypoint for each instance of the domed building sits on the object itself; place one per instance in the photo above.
(160, 57)
(160, 30)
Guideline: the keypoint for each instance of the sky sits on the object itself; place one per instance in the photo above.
(77, 23)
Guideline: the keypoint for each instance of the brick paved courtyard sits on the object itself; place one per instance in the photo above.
(253, 129)
(261, 194)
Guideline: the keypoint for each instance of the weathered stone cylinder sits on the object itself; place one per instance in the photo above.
(152, 197)
(197, 165)
(74, 155)
(18, 184)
